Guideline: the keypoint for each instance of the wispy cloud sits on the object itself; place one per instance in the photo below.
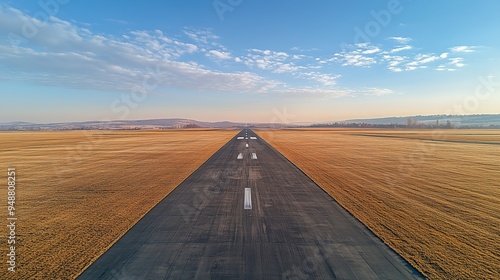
(321, 78)
(452, 64)
(63, 54)
(218, 55)
(399, 58)
(66, 55)
(275, 61)
(421, 59)
(284, 63)
(378, 91)
(358, 55)
(401, 40)
(316, 92)
(402, 48)
(202, 36)
(463, 49)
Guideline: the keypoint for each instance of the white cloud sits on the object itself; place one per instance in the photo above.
(63, 54)
(66, 55)
(335, 93)
(294, 65)
(298, 49)
(359, 55)
(367, 55)
(378, 91)
(315, 92)
(457, 61)
(219, 55)
(452, 64)
(371, 50)
(425, 58)
(419, 61)
(203, 37)
(322, 78)
(395, 62)
(402, 48)
(463, 49)
(161, 45)
(274, 61)
(401, 40)
(358, 60)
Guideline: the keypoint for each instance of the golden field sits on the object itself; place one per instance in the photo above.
(79, 191)
(433, 196)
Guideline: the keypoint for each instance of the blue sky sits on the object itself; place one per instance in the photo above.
(250, 61)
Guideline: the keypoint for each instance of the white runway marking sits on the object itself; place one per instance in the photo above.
(248, 199)
(254, 156)
(240, 138)
(253, 138)
(240, 156)
(246, 145)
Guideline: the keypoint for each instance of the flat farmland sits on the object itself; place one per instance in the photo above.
(433, 196)
(79, 191)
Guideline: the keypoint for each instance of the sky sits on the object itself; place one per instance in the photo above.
(247, 61)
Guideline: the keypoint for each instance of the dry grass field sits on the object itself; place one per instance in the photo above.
(79, 191)
(433, 196)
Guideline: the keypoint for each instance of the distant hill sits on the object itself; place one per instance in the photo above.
(435, 120)
(122, 124)
(174, 123)
(464, 121)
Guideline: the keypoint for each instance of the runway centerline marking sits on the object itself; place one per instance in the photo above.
(248, 199)
(246, 145)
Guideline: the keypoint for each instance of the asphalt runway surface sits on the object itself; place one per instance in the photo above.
(248, 213)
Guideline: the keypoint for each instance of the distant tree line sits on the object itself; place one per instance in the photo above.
(410, 123)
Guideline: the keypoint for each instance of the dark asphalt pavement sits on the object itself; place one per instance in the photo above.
(290, 229)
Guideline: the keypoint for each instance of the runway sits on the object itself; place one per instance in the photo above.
(248, 213)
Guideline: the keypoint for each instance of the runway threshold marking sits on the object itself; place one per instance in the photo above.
(253, 138)
(248, 199)
(240, 138)
(240, 156)
(254, 156)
